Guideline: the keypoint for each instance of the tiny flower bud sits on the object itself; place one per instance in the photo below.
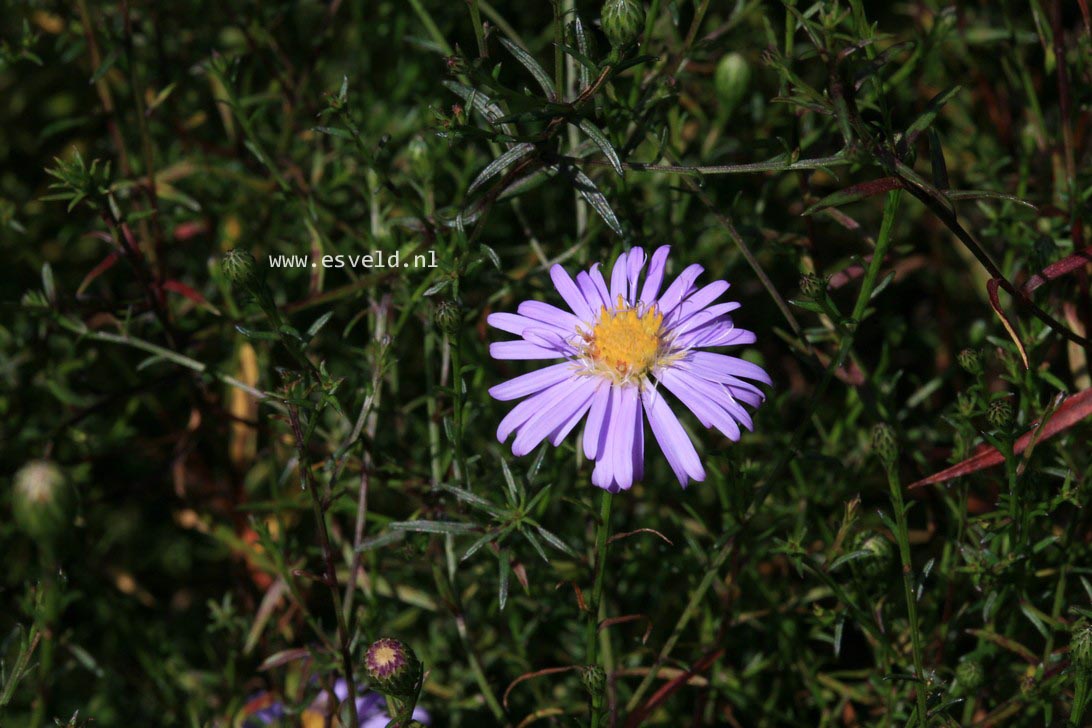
(884, 444)
(240, 268)
(965, 402)
(622, 21)
(812, 286)
(731, 79)
(594, 679)
(999, 414)
(41, 501)
(969, 676)
(1080, 647)
(970, 361)
(393, 668)
(448, 316)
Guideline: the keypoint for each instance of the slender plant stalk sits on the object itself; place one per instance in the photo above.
(454, 341)
(476, 21)
(591, 657)
(903, 538)
(445, 587)
(330, 577)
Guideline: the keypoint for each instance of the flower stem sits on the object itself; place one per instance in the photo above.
(602, 534)
(1080, 698)
(448, 590)
(457, 402)
(328, 558)
(903, 538)
(476, 21)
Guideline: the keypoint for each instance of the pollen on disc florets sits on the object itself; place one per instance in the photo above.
(626, 342)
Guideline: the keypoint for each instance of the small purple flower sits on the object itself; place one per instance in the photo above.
(624, 346)
(265, 709)
(371, 709)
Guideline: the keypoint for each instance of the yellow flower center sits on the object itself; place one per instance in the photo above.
(625, 342)
(384, 655)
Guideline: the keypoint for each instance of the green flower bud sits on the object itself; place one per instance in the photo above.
(241, 269)
(877, 564)
(393, 668)
(970, 361)
(885, 444)
(965, 401)
(448, 317)
(594, 679)
(812, 286)
(969, 676)
(1000, 414)
(41, 501)
(731, 80)
(243, 272)
(1080, 647)
(622, 21)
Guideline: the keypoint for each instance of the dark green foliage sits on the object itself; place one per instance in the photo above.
(899, 193)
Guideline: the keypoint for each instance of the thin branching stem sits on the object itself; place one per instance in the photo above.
(318, 508)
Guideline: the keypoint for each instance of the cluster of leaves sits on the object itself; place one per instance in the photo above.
(274, 466)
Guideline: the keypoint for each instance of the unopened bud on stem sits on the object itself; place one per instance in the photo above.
(393, 668)
(885, 444)
(622, 21)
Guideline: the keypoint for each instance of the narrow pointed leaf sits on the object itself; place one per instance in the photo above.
(452, 527)
(497, 165)
(533, 66)
(855, 193)
(927, 117)
(476, 100)
(603, 143)
(597, 200)
(556, 542)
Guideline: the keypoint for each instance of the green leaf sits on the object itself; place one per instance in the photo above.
(986, 195)
(927, 117)
(333, 131)
(104, 67)
(284, 657)
(384, 539)
(472, 498)
(532, 65)
(437, 287)
(476, 100)
(510, 481)
(505, 572)
(477, 545)
(846, 558)
(517, 152)
(603, 143)
(492, 255)
(317, 326)
(48, 285)
(537, 545)
(556, 542)
(597, 200)
(452, 527)
(583, 70)
(854, 193)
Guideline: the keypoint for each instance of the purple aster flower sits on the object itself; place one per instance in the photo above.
(625, 346)
(265, 709)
